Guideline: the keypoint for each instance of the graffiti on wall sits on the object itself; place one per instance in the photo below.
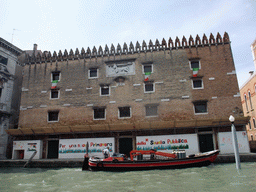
(187, 142)
(76, 148)
(81, 147)
(32, 147)
(163, 144)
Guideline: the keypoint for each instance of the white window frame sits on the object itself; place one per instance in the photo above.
(205, 113)
(105, 114)
(55, 72)
(151, 115)
(197, 87)
(53, 121)
(89, 77)
(51, 94)
(192, 61)
(149, 91)
(103, 87)
(147, 65)
(124, 117)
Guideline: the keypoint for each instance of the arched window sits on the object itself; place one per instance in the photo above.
(250, 99)
(254, 123)
(250, 127)
(245, 100)
(251, 137)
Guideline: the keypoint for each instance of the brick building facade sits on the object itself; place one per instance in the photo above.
(164, 90)
(247, 92)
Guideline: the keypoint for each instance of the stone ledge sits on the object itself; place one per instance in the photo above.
(230, 158)
(78, 163)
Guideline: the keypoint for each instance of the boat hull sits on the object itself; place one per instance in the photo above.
(196, 161)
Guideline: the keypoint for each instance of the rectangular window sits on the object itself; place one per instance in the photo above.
(200, 107)
(104, 90)
(124, 112)
(99, 114)
(149, 87)
(197, 84)
(54, 94)
(53, 116)
(93, 73)
(3, 60)
(194, 64)
(56, 76)
(147, 68)
(151, 111)
(0, 92)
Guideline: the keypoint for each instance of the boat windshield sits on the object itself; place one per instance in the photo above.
(118, 155)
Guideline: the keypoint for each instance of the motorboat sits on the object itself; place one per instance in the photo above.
(151, 159)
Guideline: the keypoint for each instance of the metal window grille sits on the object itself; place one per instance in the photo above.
(151, 110)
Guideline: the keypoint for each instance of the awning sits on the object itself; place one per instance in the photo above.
(139, 125)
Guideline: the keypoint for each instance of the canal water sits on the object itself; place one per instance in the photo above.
(216, 177)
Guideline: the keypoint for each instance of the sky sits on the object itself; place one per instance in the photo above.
(58, 25)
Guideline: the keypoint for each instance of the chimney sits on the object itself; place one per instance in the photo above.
(35, 47)
(251, 72)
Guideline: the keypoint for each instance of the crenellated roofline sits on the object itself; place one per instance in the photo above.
(198, 42)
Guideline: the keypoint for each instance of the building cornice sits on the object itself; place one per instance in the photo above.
(9, 46)
(248, 80)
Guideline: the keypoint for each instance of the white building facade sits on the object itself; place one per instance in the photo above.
(10, 78)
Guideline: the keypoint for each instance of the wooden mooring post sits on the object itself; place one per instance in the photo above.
(30, 159)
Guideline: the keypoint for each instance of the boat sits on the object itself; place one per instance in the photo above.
(151, 159)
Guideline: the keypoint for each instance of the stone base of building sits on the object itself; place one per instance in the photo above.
(71, 146)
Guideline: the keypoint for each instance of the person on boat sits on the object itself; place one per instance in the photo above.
(106, 152)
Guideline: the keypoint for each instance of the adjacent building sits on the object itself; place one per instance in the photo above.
(248, 99)
(10, 86)
(165, 95)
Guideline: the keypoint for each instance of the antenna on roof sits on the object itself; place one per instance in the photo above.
(13, 33)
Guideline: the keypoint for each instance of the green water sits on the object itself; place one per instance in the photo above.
(219, 177)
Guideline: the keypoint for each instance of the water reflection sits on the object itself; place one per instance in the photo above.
(220, 177)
